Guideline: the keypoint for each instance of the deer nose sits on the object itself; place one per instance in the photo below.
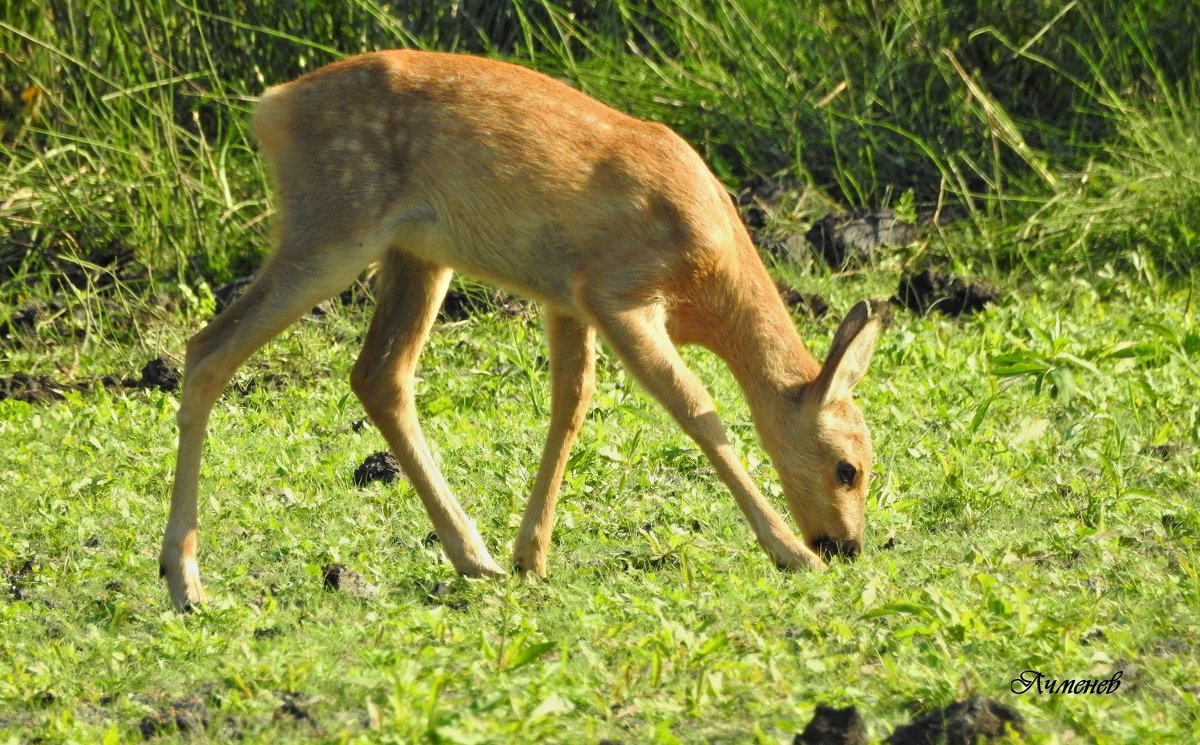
(828, 547)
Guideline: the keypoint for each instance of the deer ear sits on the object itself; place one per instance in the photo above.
(853, 344)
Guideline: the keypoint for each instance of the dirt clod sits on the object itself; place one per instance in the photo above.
(854, 238)
(161, 374)
(960, 723)
(45, 697)
(18, 578)
(32, 388)
(379, 466)
(186, 716)
(931, 289)
(295, 708)
(158, 373)
(343, 579)
(832, 726)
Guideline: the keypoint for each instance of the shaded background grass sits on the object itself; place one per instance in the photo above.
(1066, 132)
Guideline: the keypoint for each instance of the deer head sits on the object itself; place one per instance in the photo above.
(821, 447)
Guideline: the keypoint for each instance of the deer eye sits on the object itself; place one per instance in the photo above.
(846, 473)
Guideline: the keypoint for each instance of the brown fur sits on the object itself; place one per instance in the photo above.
(431, 163)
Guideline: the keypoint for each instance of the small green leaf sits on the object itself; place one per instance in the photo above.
(530, 653)
(899, 608)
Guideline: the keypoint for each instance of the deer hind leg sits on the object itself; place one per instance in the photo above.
(639, 337)
(295, 279)
(572, 379)
(409, 294)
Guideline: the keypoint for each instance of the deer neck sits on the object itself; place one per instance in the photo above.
(747, 325)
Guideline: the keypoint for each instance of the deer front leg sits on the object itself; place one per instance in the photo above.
(409, 294)
(640, 339)
(572, 379)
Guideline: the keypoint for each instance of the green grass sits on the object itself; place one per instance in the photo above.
(1047, 534)
(1036, 498)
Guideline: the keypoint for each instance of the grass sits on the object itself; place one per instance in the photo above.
(1035, 503)
(1051, 534)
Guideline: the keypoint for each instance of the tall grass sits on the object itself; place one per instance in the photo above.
(1066, 132)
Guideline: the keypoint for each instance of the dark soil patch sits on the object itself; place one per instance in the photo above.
(44, 698)
(295, 708)
(960, 723)
(51, 323)
(1127, 673)
(791, 247)
(464, 301)
(27, 317)
(343, 579)
(18, 578)
(379, 466)
(266, 381)
(357, 295)
(34, 388)
(810, 304)
(1173, 646)
(854, 238)
(931, 289)
(761, 194)
(161, 374)
(441, 593)
(830, 726)
(157, 373)
(84, 258)
(226, 293)
(187, 716)
(1168, 450)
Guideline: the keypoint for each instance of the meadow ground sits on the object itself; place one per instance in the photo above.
(1035, 502)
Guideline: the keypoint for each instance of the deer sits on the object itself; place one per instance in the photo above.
(422, 164)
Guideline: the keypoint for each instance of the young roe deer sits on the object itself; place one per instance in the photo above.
(431, 163)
